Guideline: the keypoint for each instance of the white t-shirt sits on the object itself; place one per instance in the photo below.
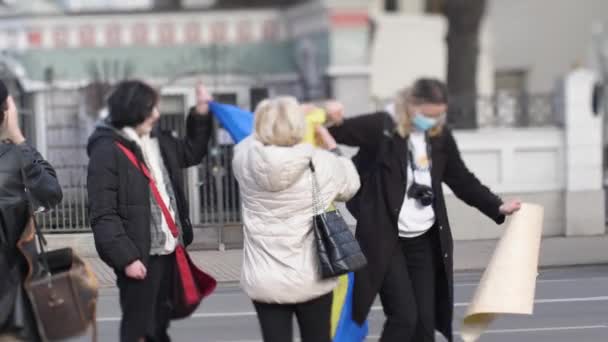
(414, 218)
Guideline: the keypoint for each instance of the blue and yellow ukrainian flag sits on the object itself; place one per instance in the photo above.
(238, 122)
(344, 328)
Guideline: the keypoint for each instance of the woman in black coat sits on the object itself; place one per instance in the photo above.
(21, 167)
(402, 222)
(131, 234)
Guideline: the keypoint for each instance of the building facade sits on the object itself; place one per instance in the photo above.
(61, 58)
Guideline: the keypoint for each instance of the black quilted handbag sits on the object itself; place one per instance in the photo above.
(338, 250)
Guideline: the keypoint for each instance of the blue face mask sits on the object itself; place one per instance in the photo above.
(423, 123)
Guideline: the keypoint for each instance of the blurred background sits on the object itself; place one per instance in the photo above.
(526, 82)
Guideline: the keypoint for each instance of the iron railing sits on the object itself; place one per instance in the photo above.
(218, 190)
(519, 110)
(506, 110)
(71, 215)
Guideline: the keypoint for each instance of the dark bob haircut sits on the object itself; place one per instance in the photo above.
(131, 103)
(430, 90)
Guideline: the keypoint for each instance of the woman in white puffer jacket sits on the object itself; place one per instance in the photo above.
(280, 266)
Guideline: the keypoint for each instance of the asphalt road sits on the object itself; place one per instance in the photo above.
(571, 305)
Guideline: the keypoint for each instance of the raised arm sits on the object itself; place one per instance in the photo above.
(40, 178)
(191, 149)
(364, 131)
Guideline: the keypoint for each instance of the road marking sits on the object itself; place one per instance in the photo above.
(516, 331)
(374, 308)
(510, 331)
(540, 281)
(572, 300)
(496, 331)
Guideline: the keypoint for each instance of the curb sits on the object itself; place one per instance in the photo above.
(473, 255)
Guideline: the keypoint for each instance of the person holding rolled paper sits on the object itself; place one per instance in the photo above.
(402, 219)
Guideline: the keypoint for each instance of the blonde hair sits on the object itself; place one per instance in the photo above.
(403, 114)
(279, 121)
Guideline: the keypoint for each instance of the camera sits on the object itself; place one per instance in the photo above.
(422, 193)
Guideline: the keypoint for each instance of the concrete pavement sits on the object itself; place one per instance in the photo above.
(468, 255)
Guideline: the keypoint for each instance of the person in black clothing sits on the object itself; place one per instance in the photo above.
(402, 221)
(21, 167)
(131, 235)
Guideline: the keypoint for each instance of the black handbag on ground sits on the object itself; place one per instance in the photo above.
(338, 250)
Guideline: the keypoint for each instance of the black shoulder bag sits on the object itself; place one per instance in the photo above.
(338, 250)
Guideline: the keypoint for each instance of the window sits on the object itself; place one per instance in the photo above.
(511, 81)
(434, 6)
(512, 103)
(391, 5)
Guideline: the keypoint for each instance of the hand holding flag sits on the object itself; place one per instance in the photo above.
(238, 122)
(203, 97)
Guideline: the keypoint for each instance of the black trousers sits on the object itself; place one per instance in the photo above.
(408, 291)
(276, 320)
(146, 303)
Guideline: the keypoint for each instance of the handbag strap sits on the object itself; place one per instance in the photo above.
(94, 328)
(316, 206)
(32, 214)
(159, 200)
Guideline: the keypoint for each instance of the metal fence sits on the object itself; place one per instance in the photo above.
(66, 132)
(71, 215)
(217, 188)
(219, 192)
(519, 110)
(515, 110)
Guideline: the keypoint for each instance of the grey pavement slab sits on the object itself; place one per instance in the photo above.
(225, 266)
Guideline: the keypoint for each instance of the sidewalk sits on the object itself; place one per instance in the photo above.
(469, 255)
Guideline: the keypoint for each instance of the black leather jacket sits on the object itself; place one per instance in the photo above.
(21, 167)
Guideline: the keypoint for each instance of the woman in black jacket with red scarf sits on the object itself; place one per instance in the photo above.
(131, 235)
(402, 221)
